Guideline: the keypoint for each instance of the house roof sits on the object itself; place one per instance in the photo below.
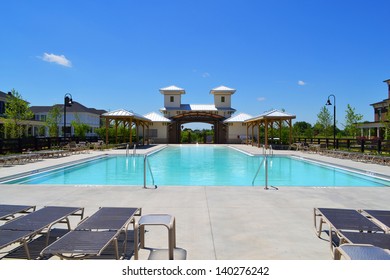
(238, 118)
(3, 94)
(75, 108)
(156, 117)
(172, 88)
(197, 107)
(222, 89)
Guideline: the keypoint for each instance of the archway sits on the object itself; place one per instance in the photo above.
(216, 121)
(195, 132)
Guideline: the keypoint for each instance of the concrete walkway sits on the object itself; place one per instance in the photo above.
(215, 223)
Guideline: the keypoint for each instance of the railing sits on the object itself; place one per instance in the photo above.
(266, 153)
(360, 144)
(147, 166)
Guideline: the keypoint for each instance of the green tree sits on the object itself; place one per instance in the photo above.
(324, 122)
(54, 117)
(303, 129)
(80, 129)
(351, 118)
(17, 111)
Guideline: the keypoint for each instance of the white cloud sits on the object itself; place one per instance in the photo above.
(59, 59)
(260, 99)
(301, 83)
(205, 75)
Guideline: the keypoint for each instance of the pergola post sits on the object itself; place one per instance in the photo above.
(247, 132)
(266, 133)
(128, 118)
(136, 131)
(131, 131)
(107, 131)
(116, 132)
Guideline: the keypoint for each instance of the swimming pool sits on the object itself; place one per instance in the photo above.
(202, 166)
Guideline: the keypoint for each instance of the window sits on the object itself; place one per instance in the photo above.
(222, 99)
(40, 118)
(172, 99)
(2, 107)
(153, 133)
(379, 112)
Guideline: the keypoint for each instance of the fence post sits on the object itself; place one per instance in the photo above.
(379, 148)
(348, 144)
(362, 146)
(19, 145)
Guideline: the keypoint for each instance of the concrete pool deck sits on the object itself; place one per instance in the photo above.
(216, 223)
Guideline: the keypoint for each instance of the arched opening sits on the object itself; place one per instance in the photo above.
(196, 133)
(217, 133)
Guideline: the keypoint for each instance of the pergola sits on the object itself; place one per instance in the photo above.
(267, 120)
(127, 118)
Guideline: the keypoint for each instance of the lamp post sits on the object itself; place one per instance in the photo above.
(334, 117)
(67, 103)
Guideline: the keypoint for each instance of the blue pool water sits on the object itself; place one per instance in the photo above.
(202, 166)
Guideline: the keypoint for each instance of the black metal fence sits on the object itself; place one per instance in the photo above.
(360, 144)
(9, 146)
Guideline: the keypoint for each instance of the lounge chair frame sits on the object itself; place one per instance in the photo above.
(342, 219)
(94, 234)
(23, 229)
(8, 211)
(380, 217)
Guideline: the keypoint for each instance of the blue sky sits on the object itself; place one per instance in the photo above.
(277, 54)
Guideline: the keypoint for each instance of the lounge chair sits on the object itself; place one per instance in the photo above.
(23, 229)
(93, 235)
(361, 252)
(381, 217)
(8, 211)
(342, 219)
(380, 239)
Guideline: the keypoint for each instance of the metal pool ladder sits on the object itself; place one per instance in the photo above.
(266, 153)
(147, 165)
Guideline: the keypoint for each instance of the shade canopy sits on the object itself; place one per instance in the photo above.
(268, 119)
(128, 118)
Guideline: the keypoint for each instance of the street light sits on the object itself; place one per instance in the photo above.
(67, 103)
(334, 117)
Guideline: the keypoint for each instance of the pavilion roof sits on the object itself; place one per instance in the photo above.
(124, 114)
(272, 115)
(238, 118)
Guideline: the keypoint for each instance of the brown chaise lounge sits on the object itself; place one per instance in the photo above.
(23, 229)
(93, 235)
(8, 211)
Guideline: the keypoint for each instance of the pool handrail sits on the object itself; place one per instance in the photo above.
(147, 165)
